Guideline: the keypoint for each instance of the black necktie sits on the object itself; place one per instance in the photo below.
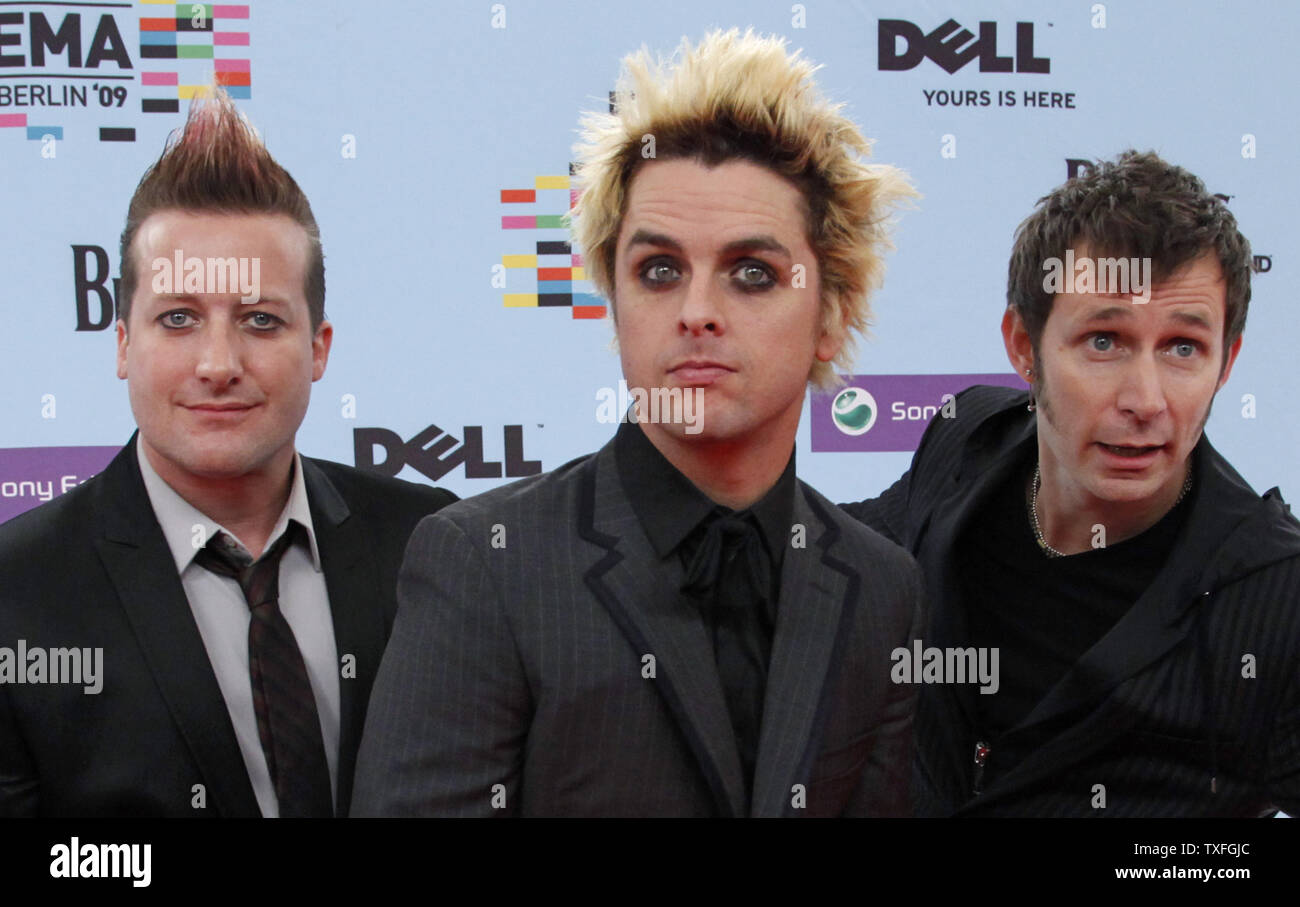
(728, 546)
(287, 721)
(729, 575)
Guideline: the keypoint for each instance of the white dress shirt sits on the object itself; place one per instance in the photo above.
(222, 615)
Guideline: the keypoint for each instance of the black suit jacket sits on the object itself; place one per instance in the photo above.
(92, 569)
(1188, 706)
(559, 671)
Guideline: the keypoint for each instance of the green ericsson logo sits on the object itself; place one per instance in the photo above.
(854, 411)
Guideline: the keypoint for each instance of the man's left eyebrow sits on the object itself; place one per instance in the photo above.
(1191, 319)
(761, 243)
(1106, 314)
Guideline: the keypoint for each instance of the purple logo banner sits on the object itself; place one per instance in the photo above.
(889, 412)
(30, 476)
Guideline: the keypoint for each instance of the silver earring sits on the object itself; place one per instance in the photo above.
(1033, 405)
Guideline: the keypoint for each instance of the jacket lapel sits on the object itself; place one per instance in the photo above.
(1162, 617)
(631, 582)
(947, 713)
(1160, 620)
(817, 602)
(352, 581)
(135, 555)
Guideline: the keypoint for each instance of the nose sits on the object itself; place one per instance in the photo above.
(1141, 393)
(701, 311)
(219, 355)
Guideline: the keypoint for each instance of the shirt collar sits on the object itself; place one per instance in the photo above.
(180, 519)
(669, 506)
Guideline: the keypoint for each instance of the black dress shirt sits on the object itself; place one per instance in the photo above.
(736, 595)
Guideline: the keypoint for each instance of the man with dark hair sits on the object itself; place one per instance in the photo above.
(1144, 600)
(675, 625)
(237, 595)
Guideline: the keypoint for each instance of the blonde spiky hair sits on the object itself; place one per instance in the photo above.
(744, 97)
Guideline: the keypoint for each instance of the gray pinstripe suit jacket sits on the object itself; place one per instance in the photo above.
(515, 682)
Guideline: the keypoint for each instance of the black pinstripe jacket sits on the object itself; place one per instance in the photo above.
(1189, 706)
(92, 568)
(544, 663)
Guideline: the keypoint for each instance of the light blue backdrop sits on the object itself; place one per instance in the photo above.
(447, 110)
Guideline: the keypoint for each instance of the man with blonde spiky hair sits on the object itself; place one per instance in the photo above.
(675, 625)
(235, 596)
(739, 97)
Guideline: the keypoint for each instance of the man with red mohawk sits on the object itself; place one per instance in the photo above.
(237, 596)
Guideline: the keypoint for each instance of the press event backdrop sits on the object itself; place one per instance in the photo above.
(434, 140)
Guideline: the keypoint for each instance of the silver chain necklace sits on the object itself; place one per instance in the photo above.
(1033, 509)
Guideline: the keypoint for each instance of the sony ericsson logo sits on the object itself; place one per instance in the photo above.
(893, 414)
(854, 411)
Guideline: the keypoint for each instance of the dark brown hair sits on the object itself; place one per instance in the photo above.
(218, 163)
(1139, 206)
